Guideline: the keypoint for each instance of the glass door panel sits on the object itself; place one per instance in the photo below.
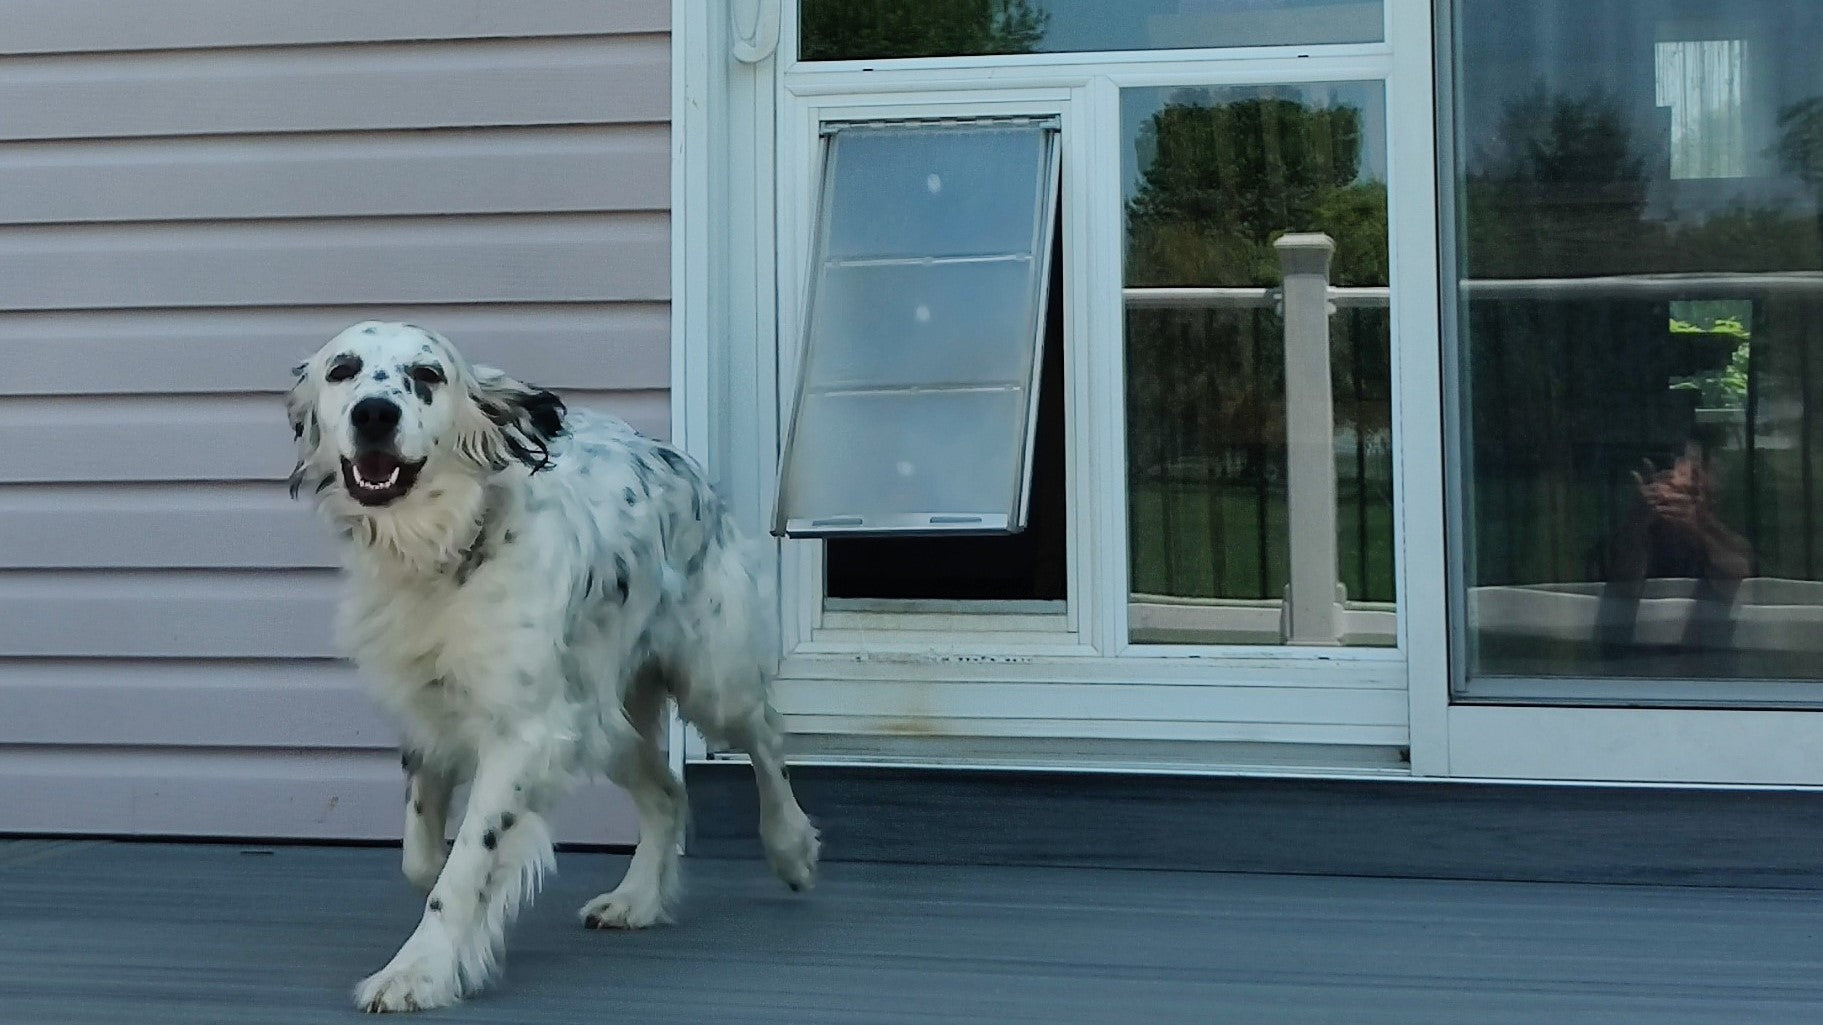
(1258, 375)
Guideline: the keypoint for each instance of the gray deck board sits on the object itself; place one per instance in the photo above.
(146, 934)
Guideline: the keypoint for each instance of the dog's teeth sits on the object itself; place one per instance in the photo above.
(391, 478)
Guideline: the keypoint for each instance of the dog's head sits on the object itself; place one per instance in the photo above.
(384, 406)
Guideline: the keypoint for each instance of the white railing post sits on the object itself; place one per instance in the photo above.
(1312, 616)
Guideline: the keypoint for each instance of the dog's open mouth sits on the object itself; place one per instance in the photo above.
(376, 478)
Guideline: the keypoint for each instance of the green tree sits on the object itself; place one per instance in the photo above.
(859, 29)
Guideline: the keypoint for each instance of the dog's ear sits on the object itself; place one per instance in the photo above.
(300, 409)
(510, 420)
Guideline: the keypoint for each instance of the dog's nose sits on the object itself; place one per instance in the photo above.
(374, 419)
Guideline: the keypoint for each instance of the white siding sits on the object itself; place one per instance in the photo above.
(193, 195)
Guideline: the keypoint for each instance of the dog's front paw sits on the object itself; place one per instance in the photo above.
(409, 983)
(792, 847)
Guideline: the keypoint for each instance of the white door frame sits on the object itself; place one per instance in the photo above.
(742, 185)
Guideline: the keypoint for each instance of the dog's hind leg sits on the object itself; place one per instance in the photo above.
(501, 853)
(427, 793)
(738, 713)
(649, 890)
(790, 841)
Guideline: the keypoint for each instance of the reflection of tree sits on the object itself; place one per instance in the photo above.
(1801, 140)
(851, 29)
(1218, 183)
(1556, 189)
(1559, 187)
(1801, 145)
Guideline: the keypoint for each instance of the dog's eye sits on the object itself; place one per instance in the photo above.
(343, 369)
(425, 374)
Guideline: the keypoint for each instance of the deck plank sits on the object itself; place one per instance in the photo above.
(101, 932)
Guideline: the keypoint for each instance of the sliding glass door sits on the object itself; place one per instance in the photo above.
(1634, 312)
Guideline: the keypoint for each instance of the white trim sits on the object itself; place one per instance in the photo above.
(1375, 744)
(1637, 745)
(1102, 488)
(1267, 652)
(1234, 695)
(1078, 60)
(691, 85)
(1418, 483)
(693, 88)
(737, 129)
(892, 84)
(949, 663)
(890, 648)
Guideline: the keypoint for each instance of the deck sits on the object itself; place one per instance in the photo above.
(104, 933)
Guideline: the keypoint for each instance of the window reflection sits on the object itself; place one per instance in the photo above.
(857, 29)
(1701, 84)
(1640, 333)
(1213, 179)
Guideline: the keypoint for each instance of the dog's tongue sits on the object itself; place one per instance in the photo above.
(375, 466)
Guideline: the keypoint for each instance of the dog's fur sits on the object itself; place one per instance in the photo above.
(545, 584)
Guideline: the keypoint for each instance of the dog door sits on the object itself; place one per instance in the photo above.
(917, 397)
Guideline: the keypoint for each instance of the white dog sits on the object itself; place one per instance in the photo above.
(528, 589)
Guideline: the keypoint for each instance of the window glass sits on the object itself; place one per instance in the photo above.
(1638, 334)
(860, 29)
(1258, 421)
(917, 393)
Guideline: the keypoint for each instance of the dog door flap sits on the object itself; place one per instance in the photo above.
(917, 392)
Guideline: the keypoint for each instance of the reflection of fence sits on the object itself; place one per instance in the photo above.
(1571, 385)
(1591, 358)
(1316, 608)
(1315, 362)
(1666, 287)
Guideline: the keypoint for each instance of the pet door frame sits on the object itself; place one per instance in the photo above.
(817, 344)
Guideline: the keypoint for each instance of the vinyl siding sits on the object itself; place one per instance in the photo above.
(194, 194)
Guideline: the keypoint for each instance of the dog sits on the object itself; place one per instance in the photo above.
(529, 588)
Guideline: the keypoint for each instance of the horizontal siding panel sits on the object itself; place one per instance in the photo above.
(303, 794)
(71, 614)
(588, 80)
(160, 526)
(599, 257)
(195, 195)
(319, 704)
(513, 170)
(34, 26)
(192, 438)
(82, 352)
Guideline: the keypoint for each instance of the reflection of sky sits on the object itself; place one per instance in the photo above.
(1138, 105)
(1579, 48)
(1078, 25)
